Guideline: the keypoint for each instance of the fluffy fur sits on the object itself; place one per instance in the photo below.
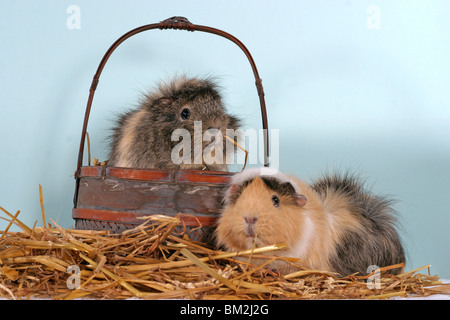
(142, 137)
(338, 226)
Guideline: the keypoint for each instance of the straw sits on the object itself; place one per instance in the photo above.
(10, 224)
(240, 147)
(152, 261)
(41, 201)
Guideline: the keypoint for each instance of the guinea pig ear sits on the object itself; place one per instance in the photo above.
(232, 194)
(165, 101)
(300, 199)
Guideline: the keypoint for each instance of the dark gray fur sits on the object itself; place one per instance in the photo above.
(152, 145)
(379, 243)
(284, 188)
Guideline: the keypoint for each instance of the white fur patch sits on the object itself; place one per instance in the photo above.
(301, 247)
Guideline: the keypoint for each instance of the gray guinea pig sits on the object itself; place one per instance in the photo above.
(143, 138)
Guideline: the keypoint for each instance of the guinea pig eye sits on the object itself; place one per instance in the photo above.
(275, 201)
(185, 114)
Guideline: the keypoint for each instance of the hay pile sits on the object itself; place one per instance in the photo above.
(152, 261)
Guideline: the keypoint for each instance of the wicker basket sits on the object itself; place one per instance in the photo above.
(114, 198)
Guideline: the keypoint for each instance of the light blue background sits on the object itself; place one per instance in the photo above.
(344, 96)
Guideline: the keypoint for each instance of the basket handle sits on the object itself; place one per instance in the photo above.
(176, 23)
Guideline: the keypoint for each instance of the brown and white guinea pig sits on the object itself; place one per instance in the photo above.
(142, 137)
(333, 224)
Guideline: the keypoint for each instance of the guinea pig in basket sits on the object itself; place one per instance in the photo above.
(333, 224)
(144, 137)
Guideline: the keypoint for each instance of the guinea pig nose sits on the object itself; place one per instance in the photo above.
(250, 220)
